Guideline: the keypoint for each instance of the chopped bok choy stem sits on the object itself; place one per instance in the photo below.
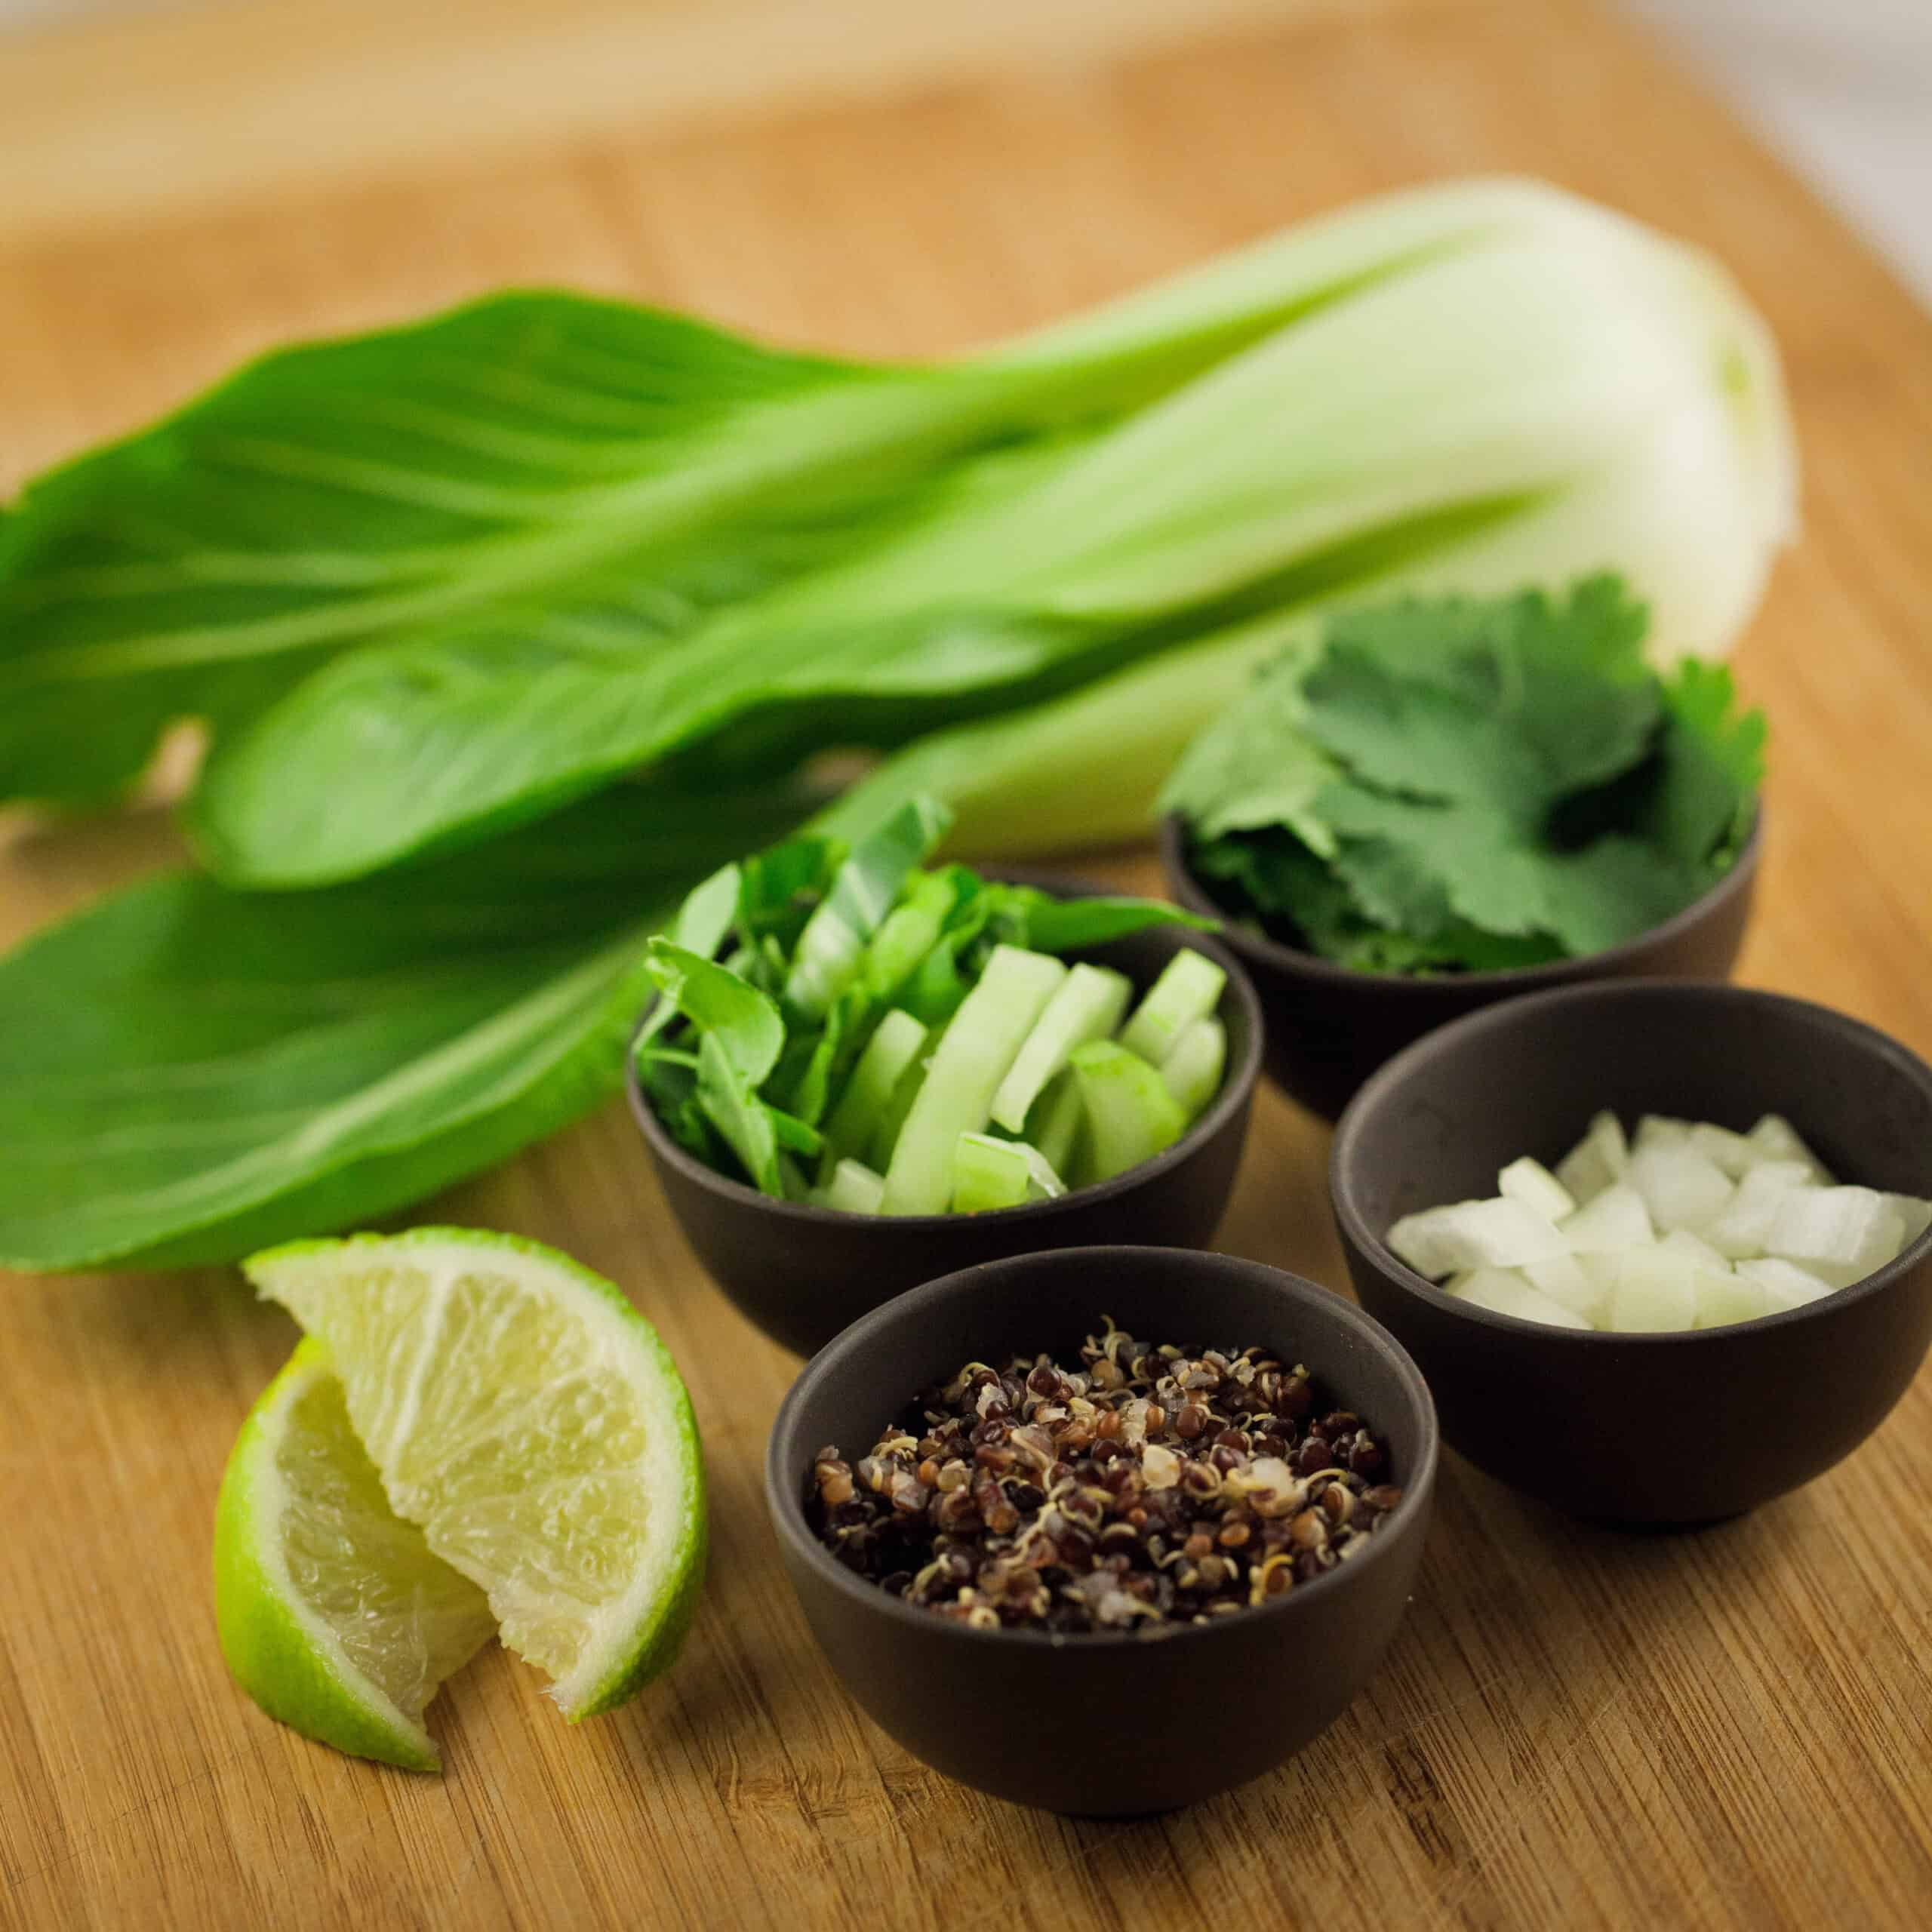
(895, 1046)
(1060, 1131)
(871, 1022)
(1130, 1115)
(864, 889)
(885, 1134)
(1187, 990)
(908, 932)
(956, 1096)
(988, 1173)
(1193, 1070)
(854, 1189)
(1089, 1004)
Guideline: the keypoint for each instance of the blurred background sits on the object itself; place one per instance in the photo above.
(1842, 87)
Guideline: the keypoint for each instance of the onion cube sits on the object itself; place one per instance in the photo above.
(1537, 1188)
(1840, 1234)
(1733, 1152)
(1915, 1213)
(1616, 1219)
(1563, 1278)
(1656, 1290)
(1788, 1285)
(1503, 1291)
(1660, 1131)
(1474, 1234)
(1681, 1240)
(1778, 1139)
(1423, 1242)
(1597, 1160)
(1741, 1230)
(1600, 1271)
(1681, 1188)
(1723, 1298)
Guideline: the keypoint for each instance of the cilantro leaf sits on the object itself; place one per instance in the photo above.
(1483, 863)
(1473, 785)
(1515, 703)
(1415, 739)
(1420, 866)
(1611, 891)
(1712, 761)
(1256, 765)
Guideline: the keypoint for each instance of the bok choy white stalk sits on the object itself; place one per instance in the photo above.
(489, 564)
(1557, 390)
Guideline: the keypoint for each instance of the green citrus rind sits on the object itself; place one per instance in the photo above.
(646, 1633)
(282, 1657)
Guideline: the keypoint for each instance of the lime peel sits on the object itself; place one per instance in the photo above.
(517, 1406)
(313, 1572)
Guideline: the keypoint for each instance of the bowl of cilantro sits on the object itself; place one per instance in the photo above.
(1431, 806)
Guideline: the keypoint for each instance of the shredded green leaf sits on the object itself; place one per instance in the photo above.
(747, 1069)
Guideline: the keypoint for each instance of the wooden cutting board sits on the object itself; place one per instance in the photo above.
(1575, 1728)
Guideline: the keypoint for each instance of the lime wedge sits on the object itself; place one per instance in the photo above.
(333, 1614)
(519, 1409)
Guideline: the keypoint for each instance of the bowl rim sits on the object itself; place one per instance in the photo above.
(787, 1512)
(1238, 1084)
(1503, 982)
(1381, 1086)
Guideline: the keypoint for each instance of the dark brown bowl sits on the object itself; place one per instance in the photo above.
(802, 1273)
(1113, 1724)
(1330, 1027)
(1674, 1428)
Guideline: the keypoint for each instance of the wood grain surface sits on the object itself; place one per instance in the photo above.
(1575, 1729)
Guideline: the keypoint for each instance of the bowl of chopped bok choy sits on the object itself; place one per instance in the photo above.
(1662, 1248)
(862, 1071)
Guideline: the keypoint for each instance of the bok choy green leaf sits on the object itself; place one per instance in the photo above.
(489, 564)
(187, 1071)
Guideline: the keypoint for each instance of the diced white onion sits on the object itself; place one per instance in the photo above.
(1506, 1292)
(1840, 1233)
(1740, 1230)
(1474, 1234)
(1681, 1240)
(1655, 1290)
(1724, 1297)
(1423, 1242)
(1915, 1216)
(1686, 1224)
(1537, 1188)
(1681, 1188)
(1660, 1131)
(1788, 1285)
(1616, 1219)
(1778, 1139)
(1597, 1161)
(1600, 1271)
(1563, 1279)
(1733, 1152)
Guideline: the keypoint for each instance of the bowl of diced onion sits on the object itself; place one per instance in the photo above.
(1662, 1249)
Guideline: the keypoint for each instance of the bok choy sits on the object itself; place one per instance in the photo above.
(437, 593)
(489, 563)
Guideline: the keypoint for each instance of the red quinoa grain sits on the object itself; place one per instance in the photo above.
(1147, 1487)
